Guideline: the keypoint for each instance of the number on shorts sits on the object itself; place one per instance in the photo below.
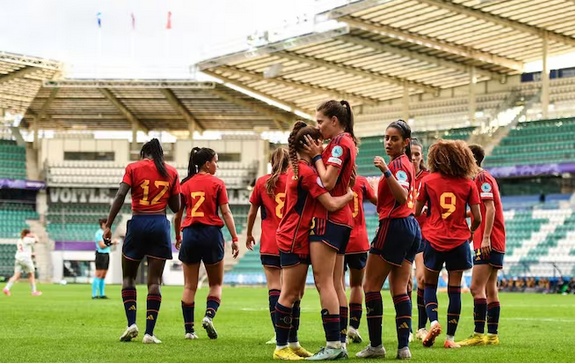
(146, 186)
(280, 200)
(355, 205)
(197, 205)
(443, 201)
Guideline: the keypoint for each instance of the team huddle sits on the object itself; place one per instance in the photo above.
(311, 209)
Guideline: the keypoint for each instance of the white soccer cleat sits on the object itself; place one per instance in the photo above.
(191, 336)
(208, 324)
(353, 335)
(403, 353)
(372, 352)
(421, 334)
(151, 339)
(130, 333)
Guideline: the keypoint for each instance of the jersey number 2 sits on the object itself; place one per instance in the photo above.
(447, 201)
(197, 205)
(280, 200)
(146, 186)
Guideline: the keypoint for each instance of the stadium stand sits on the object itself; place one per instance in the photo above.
(12, 160)
(14, 216)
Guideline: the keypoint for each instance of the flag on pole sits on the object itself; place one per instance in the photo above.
(99, 15)
(169, 24)
(133, 21)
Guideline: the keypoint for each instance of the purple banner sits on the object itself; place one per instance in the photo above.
(530, 170)
(22, 184)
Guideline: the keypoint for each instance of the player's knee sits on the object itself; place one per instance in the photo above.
(128, 281)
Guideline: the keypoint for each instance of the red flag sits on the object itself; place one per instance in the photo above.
(133, 21)
(169, 25)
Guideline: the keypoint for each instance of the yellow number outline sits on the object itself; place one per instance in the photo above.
(202, 197)
(451, 207)
(280, 204)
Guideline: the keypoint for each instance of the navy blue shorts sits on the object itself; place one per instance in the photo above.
(457, 259)
(334, 235)
(202, 242)
(293, 259)
(397, 240)
(495, 259)
(421, 247)
(271, 261)
(147, 235)
(355, 261)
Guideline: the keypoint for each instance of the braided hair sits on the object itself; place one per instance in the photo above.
(452, 158)
(341, 110)
(198, 157)
(280, 163)
(153, 149)
(296, 142)
(405, 131)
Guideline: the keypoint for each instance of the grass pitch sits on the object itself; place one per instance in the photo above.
(65, 325)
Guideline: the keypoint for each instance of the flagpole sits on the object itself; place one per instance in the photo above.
(99, 57)
(132, 41)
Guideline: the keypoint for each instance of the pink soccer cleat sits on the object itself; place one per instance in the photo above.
(7, 292)
(37, 293)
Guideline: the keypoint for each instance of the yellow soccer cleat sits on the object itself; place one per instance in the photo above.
(286, 354)
(301, 352)
(491, 339)
(474, 340)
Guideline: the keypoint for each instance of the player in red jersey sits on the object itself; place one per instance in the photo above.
(420, 173)
(336, 167)
(269, 193)
(447, 191)
(489, 248)
(356, 254)
(202, 195)
(395, 244)
(154, 186)
(304, 192)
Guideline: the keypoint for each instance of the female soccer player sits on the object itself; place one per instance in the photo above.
(489, 248)
(24, 262)
(356, 254)
(304, 193)
(154, 185)
(420, 173)
(269, 193)
(395, 244)
(102, 262)
(336, 168)
(202, 195)
(447, 191)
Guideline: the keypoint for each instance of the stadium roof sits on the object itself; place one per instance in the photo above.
(170, 105)
(21, 77)
(379, 46)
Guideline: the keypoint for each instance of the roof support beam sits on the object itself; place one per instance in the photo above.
(41, 114)
(497, 19)
(17, 74)
(434, 43)
(418, 56)
(292, 105)
(183, 110)
(398, 81)
(274, 115)
(301, 85)
(123, 109)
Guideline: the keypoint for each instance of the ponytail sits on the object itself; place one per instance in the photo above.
(280, 163)
(198, 157)
(293, 147)
(154, 150)
(350, 121)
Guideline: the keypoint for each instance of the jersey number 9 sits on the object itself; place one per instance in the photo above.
(447, 201)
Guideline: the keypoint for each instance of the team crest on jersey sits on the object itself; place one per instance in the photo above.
(337, 151)
(401, 175)
(485, 187)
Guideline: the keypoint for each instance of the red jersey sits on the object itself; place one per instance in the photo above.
(387, 207)
(272, 209)
(203, 194)
(340, 152)
(413, 197)
(447, 200)
(489, 190)
(294, 228)
(150, 190)
(358, 241)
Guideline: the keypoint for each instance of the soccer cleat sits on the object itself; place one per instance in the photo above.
(491, 339)
(272, 341)
(36, 293)
(286, 353)
(329, 354)
(403, 353)
(208, 324)
(7, 292)
(433, 333)
(450, 344)
(420, 334)
(372, 352)
(130, 333)
(475, 339)
(353, 335)
(301, 352)
(191, 336)
(95, 297)
(150, 339)
(104, 297)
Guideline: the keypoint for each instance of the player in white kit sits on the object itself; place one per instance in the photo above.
(24, 262)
